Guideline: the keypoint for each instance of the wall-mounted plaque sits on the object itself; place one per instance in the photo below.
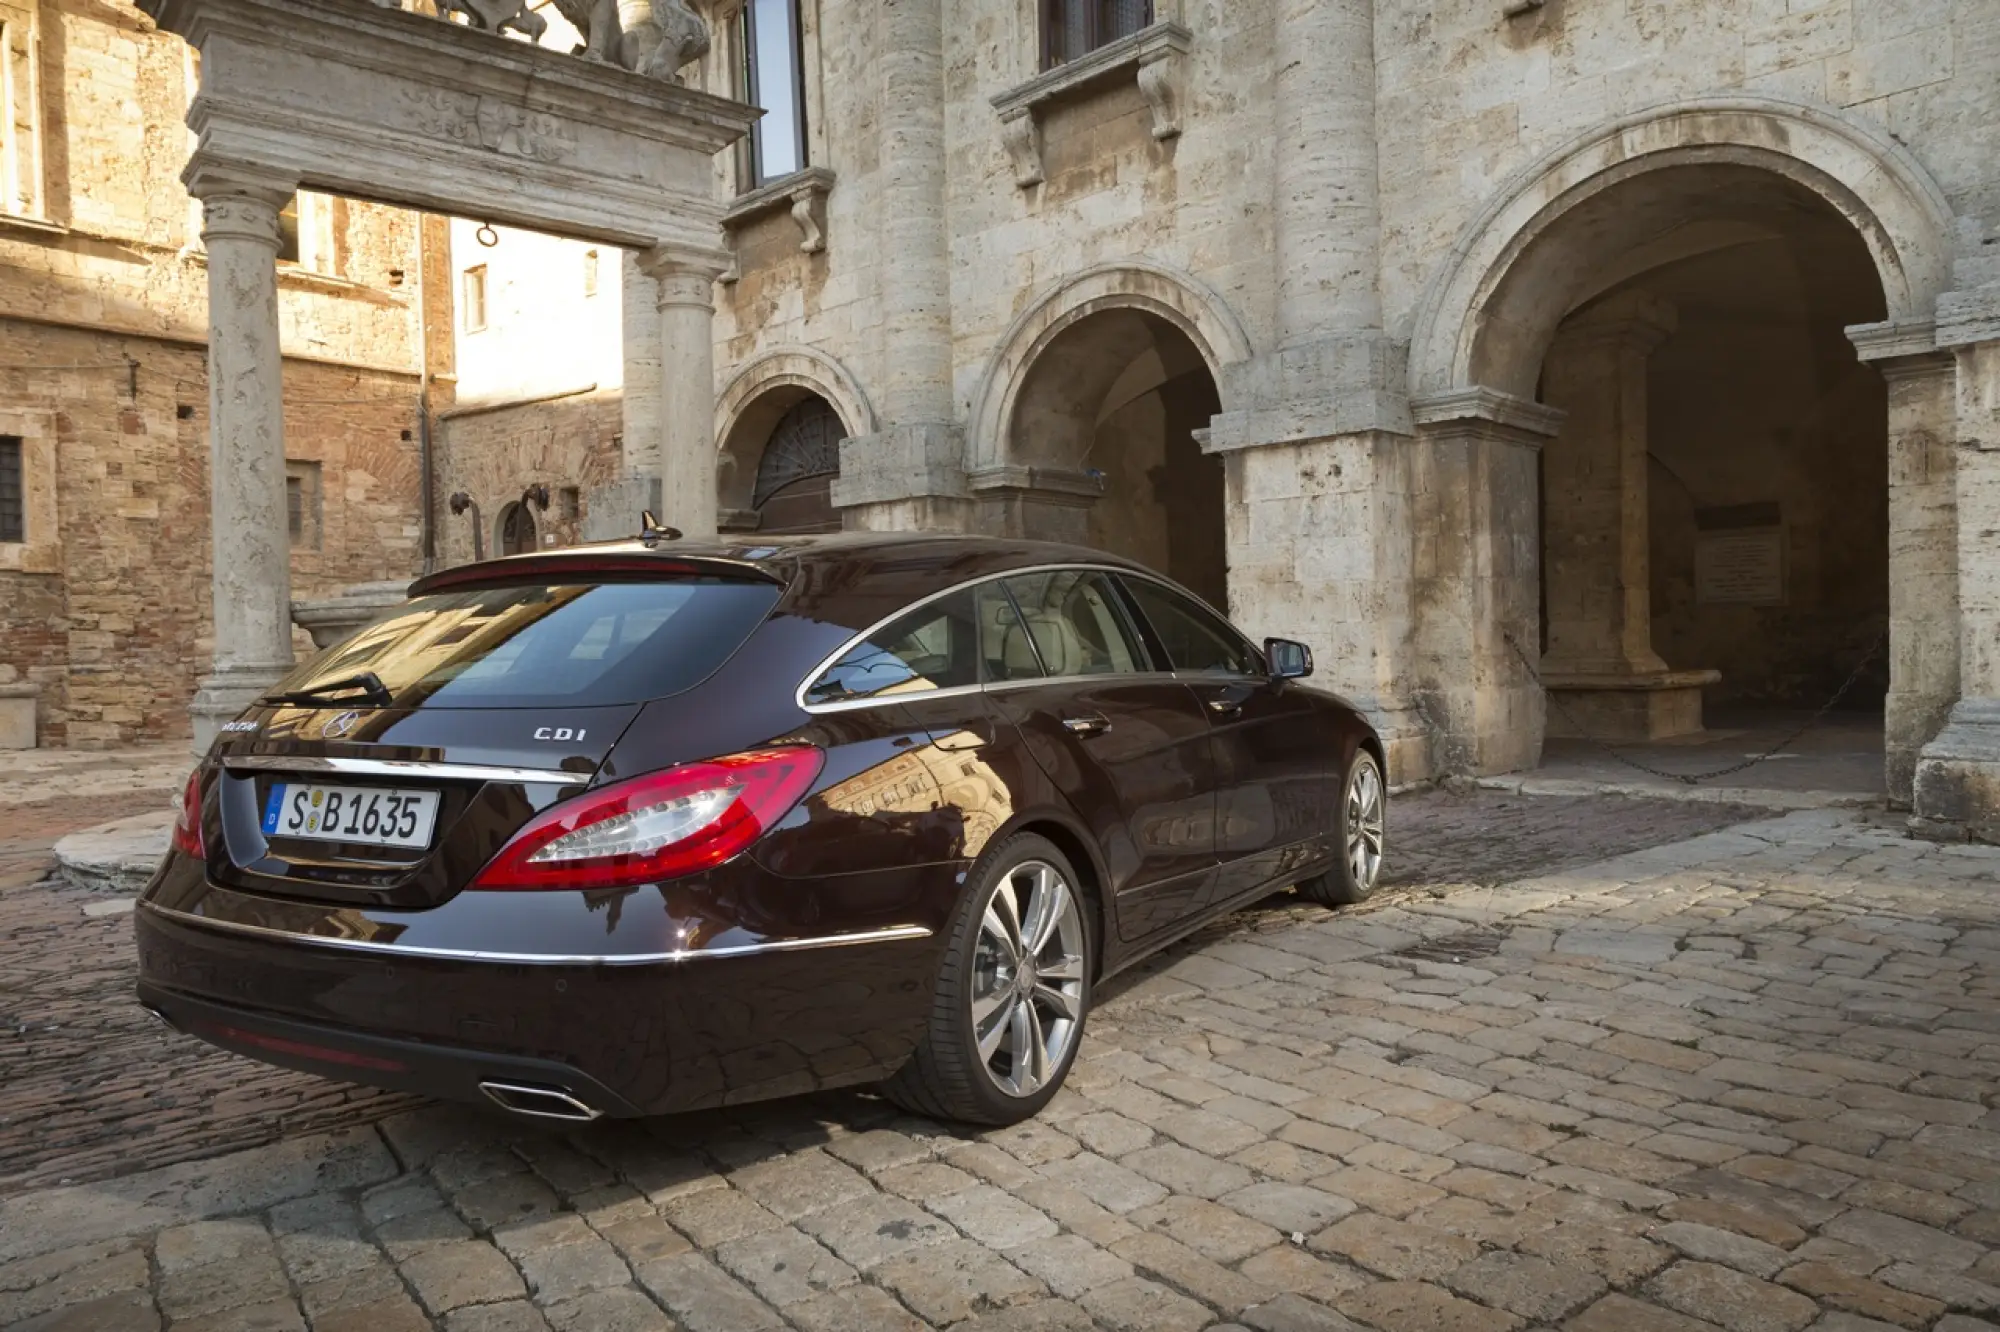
(1740, 567)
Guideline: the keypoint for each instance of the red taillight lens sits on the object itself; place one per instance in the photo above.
(187, 828)
(660, 826)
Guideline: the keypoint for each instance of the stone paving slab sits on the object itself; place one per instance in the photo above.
(94, 1087)
(1743, 1081)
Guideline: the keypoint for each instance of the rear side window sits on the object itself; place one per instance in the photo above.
(1076, 622)
(564, 644)
(935, 646)
(1196, 640)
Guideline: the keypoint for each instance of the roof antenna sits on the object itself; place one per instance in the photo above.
(650, 530)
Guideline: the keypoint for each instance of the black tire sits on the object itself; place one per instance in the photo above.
(1345, 883)
(946, 1078)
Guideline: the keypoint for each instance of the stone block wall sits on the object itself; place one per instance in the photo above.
(492, 454)
(117, 633)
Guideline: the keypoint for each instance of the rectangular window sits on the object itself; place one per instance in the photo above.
(288, 231)
(774, 78)
(13, 492)
(1073, 28)
(475, 298)
(590, 272)
(302, 504)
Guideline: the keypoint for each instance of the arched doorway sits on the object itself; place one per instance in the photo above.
(1752, 210)
(793, 489)
(1715, 503)
(1115, 398)
(779, 450)
(517, 530)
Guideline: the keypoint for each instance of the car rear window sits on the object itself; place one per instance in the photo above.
(541, 644)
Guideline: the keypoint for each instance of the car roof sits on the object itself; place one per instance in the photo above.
(952, 557)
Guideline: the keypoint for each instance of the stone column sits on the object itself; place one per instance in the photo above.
(685, 298)
(1923, 542)
(1597, 565)
(1328, 222)
(252, 573)
(1312, 430)
(1957, 786)
(1475, 574)
(911, 472)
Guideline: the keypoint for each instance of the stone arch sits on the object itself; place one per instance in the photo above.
(1177, 298)
(1481, 326)
(758, 395)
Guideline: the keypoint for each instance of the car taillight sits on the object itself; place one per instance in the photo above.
(660, 826)
(187, 828)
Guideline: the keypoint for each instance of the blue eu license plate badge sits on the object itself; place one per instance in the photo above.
(272, 808)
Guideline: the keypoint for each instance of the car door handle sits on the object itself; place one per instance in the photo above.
(1089, 724)
(1225, 707)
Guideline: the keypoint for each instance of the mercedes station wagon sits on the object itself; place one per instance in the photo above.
(650, 826)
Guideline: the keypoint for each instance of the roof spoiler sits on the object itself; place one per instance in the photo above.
(575, 567)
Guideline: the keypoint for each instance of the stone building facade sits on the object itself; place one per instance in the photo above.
(1644, 350)
(104, 395)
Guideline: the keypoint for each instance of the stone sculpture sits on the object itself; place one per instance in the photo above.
(497, 16)
(666, 40)
(656, 46)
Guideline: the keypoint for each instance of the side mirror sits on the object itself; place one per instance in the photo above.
(1288, 660)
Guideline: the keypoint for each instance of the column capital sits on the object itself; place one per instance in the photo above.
(1478, 407)
(664, 262)
(1636, 321)
(208, 180)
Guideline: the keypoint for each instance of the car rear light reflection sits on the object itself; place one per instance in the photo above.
(660, 826)
(187, 827)
(324, 1054)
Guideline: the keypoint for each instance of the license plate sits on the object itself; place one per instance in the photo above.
(374, 815)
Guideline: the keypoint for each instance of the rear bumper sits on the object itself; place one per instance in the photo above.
(471, 996)
(410, 1066)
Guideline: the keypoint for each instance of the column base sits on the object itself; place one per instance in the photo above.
(1406, 738)
(224, 694)
(1657, 705)
(1957, 789)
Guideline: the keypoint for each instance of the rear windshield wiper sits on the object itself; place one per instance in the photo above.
(367, 682)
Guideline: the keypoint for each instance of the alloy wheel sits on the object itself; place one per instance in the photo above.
(1365, 810)
(1028, 973)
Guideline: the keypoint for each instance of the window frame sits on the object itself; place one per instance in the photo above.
(1157, 644)
(23, 182)
(18, 444)
(1052, 15)
(752, 82)
(1117, 601)
(1153, 665)
(468, 277)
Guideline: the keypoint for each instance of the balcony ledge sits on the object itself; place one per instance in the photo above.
(1156, 56)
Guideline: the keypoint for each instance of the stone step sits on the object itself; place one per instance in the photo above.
(115, 857)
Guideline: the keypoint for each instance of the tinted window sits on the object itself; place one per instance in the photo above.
(1074, 617)
(1195, 638)
(572, 644)
(935, 646)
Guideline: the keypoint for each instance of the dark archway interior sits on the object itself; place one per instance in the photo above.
(777, 467)
(1121, 393)
(1765, 486)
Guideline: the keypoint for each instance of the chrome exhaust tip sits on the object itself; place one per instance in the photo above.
(160, 1017)
(539, 1102)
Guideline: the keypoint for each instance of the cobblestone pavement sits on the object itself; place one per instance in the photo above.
(1747, 1081)
(92, 1085)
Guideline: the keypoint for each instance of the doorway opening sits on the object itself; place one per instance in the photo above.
(1118, 397)
(1715, 506)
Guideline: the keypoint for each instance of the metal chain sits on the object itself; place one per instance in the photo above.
(1696, 778)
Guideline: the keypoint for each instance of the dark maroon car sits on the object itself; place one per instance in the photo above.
(650, 826)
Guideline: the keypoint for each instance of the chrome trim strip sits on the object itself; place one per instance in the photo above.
(899, 932)
(363, 767)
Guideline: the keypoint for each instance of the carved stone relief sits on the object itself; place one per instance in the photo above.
(657, 46)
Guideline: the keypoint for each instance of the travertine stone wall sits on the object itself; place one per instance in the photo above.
(1512, 164)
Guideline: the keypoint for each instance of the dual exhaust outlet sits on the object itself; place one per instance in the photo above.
(539, 1102)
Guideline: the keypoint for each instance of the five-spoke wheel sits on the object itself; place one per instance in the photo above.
(1360, 827)
(1012, 994)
